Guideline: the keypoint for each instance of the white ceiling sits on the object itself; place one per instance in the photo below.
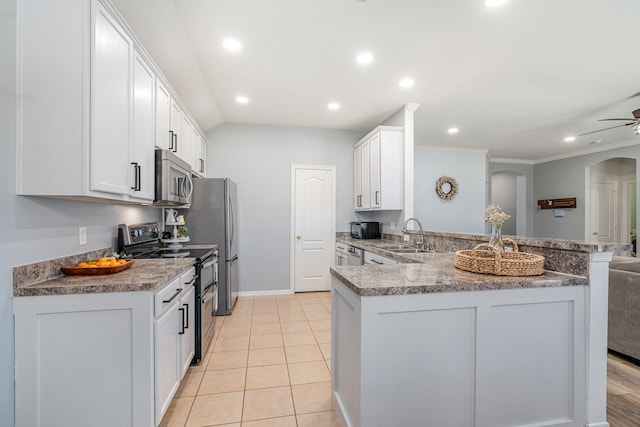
(516, 79)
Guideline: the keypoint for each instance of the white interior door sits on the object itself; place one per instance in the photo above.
(313, 247)
(604, 211)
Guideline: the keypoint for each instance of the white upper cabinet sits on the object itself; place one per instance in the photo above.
(164, 135)
(378, 170)
(184, 148)
(143, 162)
(93, 106)
(111, 69)
(198, 153)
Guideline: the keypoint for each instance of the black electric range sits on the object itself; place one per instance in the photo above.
(140, 241)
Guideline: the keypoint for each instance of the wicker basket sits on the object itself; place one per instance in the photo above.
(487, 259)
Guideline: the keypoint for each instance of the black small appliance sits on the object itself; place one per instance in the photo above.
(365, 230)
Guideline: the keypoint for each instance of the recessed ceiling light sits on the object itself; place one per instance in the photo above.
(333, 106)
(570, 139)
(406, 82)
(364, 58)
(241, 99)
(453, 130)
(232, 44)
(494, 3)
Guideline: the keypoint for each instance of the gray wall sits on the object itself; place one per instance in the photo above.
(259, 159)
(36, 229)
(566, 178)
(465, 213)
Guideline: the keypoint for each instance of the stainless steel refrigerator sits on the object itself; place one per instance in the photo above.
(213, 218)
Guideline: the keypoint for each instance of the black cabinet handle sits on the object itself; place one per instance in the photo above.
(139, 177)
(377, 194)
(201, 165)
(187, 322)
(170, 140)
(136, 185)
(166, 301)
(182, 326)
(175, 145)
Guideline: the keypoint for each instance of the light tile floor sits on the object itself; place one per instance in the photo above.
(268, 366)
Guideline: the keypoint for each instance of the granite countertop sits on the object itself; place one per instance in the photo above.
(432, 272)
(144, 275)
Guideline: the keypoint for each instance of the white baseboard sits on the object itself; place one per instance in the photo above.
(264, 293)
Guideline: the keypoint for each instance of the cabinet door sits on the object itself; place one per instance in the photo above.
(187, 330)
(374, 171)
(167, 356)
(175, 128)
(195, 150)
(163, 117)
(143, 162)
(202, 161)
(184, 150)
(111, 100)
(362, 199)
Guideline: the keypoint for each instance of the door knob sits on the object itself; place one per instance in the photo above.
(298, 237)
(595, 233)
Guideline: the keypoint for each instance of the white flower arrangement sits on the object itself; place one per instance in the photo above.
(494, 214)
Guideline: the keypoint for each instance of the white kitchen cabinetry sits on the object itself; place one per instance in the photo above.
(143, 130)
(197, 153)
(513, 357)
(85, 117)
(111, 113)
(202, 161)
(378, 170)
(371, 258)
(167, 346)
(174, 338)
(77, 354)
(187, 333)
(164, 134)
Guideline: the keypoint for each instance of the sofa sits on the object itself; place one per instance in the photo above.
(624, 306)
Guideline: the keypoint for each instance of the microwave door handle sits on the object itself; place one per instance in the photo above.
(188, 182)
(177, 186)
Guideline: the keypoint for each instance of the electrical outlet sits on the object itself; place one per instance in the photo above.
(82, 236)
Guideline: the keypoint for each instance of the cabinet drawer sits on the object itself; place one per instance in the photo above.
(166, 297)
(370, 258)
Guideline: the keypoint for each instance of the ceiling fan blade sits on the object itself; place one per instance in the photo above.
(604, 120)
(600, 130)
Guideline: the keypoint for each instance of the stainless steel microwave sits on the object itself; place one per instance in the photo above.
(173, 180)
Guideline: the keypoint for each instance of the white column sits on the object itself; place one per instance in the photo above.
(597, 306)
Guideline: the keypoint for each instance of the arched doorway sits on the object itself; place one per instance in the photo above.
(509, 191)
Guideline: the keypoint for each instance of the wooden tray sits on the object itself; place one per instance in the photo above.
(72, 270)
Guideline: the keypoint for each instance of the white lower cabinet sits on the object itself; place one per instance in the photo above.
(187, 332)
(103, 359)
(174, 332)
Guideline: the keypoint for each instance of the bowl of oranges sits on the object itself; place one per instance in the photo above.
(99, 266)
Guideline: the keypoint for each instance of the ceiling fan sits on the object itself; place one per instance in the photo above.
(631, 122)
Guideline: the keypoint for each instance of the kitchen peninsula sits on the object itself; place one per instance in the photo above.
(423, 343)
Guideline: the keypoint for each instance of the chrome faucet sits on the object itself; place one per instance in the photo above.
(420, 240)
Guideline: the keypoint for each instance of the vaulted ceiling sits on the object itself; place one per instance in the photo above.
(515, 79)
